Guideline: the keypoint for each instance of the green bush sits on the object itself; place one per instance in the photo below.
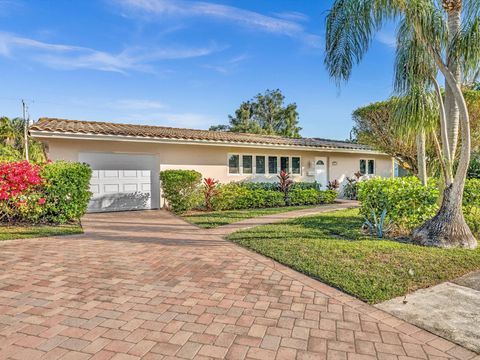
(235, 196)
(181, 189)
(474, 168)
(66, 190)
(407, 201)
(327, 196)
(311, 196)
(274, 185)
(409, 204)
(471, 205)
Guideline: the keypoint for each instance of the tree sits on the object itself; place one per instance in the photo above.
(376, 125)
(264, 114)
(12, 142)
(433, 39)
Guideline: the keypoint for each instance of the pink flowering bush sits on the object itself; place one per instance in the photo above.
(56, 192)
(20, 195)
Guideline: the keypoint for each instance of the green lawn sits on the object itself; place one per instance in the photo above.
(25, 232)
(213, 219)
(332, 248)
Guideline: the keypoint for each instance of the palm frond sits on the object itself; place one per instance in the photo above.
(466, 46)
(351, 27)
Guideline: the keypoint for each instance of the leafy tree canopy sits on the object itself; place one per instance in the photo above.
(376, 126)
(12, 143)
(264, 114)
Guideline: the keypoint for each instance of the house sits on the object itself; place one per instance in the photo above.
(127, 159)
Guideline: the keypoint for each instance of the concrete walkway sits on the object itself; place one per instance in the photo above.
(274, 218)
(147, 285)
(451, 310)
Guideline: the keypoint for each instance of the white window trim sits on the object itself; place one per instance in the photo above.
(254, 164)
(366, 165)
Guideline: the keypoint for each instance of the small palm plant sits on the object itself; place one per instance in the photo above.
(210, 189)
(379, 226)
(285, 185)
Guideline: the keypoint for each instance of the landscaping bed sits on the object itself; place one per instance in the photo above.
(34, 231)
(213, 219)
(333, 248)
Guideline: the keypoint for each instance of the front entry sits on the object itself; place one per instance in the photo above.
(321, 172)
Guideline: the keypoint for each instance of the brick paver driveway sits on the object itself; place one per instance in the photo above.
(148, 285)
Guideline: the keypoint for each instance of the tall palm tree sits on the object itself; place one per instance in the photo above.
(435, 38)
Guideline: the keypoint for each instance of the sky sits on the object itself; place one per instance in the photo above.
(180, 63)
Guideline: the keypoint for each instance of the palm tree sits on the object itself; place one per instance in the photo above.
(435, 38)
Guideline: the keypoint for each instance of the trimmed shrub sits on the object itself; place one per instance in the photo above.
(66, 191)
(235, 196)
(274, 185)
(409, 204)
(312, 196)
(181, 189)
(407, 201)
(327, 196)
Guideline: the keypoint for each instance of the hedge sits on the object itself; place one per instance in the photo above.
(235, 196)
(56, 192)
(66, 191)
(409, 203)
(181, 189)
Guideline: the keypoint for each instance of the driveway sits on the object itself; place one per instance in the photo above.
(148, 285)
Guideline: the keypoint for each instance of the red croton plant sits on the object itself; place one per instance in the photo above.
(19, 182)
(209, 191)
(285, 184)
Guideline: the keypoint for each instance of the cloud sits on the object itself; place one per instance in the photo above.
(253, 20)
(388, 39)
(228, 66)
(70, 57)
(292, 16)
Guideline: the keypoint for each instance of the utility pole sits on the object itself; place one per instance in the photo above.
(25, 129)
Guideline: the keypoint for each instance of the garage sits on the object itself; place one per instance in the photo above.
(123, 182)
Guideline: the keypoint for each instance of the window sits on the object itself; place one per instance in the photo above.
(284, 164)
(363, 167)
(234, 164)
(371, 167)
(272, 165)
(296, 165)
(367, 167)
(247, 162)
(260, 164)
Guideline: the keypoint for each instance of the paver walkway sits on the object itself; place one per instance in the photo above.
(148, 285)
(274, 218)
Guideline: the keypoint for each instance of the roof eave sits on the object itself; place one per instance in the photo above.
(184, 141)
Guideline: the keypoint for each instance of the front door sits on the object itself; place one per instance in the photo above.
(321, 171)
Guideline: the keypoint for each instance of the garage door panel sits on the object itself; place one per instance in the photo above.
(120, 190)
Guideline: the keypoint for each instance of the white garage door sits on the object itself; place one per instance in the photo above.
(122, 182)
(120, 190)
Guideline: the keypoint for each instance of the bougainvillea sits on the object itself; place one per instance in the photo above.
(19, 191)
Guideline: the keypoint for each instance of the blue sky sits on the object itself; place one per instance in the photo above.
(178, 62)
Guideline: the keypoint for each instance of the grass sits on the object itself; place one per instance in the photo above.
(332, 248)
(33, 231)
(209, 220)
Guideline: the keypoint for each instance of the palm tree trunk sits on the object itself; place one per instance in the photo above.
(448, 227)
(451, 106)
(421, 157)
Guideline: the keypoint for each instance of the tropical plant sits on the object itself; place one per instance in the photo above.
(433, 39)
(379, 226)
(264, 114)
(209, 191)
(333, 185)
(474, 168)
(12, 143)
(285, 185)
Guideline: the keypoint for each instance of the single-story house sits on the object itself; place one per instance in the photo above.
(127, 158)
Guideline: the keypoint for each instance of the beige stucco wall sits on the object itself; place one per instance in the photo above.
(211, 160)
